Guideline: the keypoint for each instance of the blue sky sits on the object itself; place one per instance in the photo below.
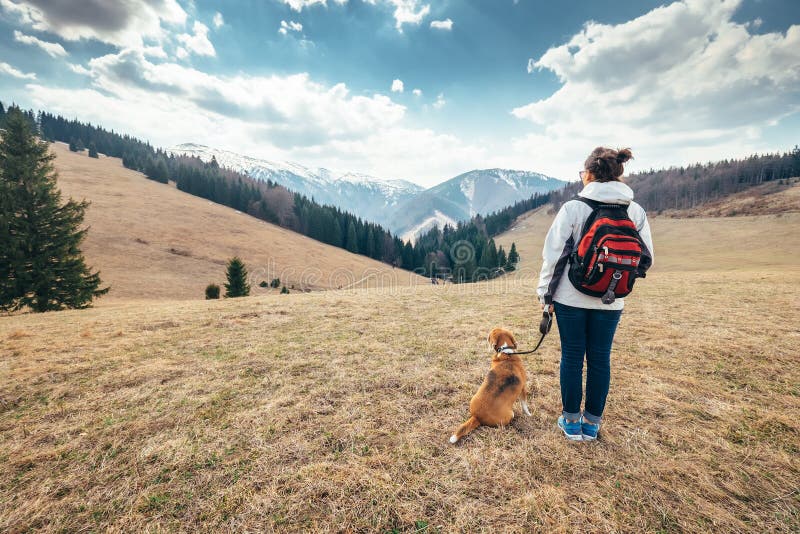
(414, 89)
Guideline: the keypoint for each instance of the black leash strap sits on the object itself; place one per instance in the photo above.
(544, 328)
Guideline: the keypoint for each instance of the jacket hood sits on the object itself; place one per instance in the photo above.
(611, 192)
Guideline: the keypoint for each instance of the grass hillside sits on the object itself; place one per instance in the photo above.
(330, 411)
(151, 241)
(695, 241)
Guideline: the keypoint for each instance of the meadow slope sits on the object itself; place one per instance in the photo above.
(330, 411)
(762, 242)
(151, 241)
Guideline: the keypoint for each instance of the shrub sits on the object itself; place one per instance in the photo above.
(263, 283)
(284, 291)
(276, 283)
(212, 291)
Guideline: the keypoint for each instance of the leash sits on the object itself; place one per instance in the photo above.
(544, 328)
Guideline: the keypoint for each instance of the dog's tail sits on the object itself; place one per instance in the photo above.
(469, 425)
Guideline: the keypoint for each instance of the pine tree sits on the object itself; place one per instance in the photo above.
(336, 233)
(284, 291)
(513, 258)
(352, 240)
(41, 265)
(93, 150)
(370, 250)
(502, 259)
(237, 285)
(79, 146)
(488, 259)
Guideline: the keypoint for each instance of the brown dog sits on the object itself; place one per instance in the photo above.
(506, 382)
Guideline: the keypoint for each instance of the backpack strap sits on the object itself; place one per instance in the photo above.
(594, 204)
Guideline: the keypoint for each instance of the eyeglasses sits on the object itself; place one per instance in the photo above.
(582, 174)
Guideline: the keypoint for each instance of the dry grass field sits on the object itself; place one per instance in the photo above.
(759, 243)
(151, 241)
(330, 411)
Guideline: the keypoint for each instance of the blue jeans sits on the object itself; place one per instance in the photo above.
(590, 333)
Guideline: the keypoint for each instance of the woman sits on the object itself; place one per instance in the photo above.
(586, 325)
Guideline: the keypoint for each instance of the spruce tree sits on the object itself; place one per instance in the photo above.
(352, 241)
(370, 249)
(513, 258)
(502, 259)
(336, 233)
(93, 150)
(41, 265)
(237, 285)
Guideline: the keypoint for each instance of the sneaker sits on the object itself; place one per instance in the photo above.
(571, 429)
(589, 430)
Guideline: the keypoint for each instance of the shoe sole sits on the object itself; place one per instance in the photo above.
(571, 437)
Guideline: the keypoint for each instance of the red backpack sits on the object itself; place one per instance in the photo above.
(610, 255)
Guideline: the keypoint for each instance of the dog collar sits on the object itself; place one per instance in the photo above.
(505, 349)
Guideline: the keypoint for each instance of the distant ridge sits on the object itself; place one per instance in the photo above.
(366, 196)
(406, 208)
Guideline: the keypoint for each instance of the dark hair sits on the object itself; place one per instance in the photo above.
(606, 163)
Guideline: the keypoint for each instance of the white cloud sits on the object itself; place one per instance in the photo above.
(299, 5)
(445, 24)
(397, 86)
(286, 110)
(408, 12)
(278, 117)
(440, 101)
(385, 153)
(52, 49)
(417, 92)
(123, 24)
(79, 69)
(218, 21)
(290, 26)
(5, 68)
(154, 51)
(405, 11)
(681, 83)
(198, 43)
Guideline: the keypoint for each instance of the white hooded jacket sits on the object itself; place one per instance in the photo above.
(569, 222)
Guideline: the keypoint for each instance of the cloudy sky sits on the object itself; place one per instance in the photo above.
(415, 89)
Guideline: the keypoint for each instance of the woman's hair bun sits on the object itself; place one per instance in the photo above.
(624, 155)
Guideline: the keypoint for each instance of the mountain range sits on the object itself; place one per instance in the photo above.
(403, 207)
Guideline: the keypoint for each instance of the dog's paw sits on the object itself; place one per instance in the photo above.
(453, 438)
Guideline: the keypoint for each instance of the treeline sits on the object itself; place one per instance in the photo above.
(687, 187)
(271, 202)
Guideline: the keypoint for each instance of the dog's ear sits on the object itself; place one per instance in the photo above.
(492, 339)
(511, 341)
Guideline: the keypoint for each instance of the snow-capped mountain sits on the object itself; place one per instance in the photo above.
(405, 208)
(369, 197)
(466, 195)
